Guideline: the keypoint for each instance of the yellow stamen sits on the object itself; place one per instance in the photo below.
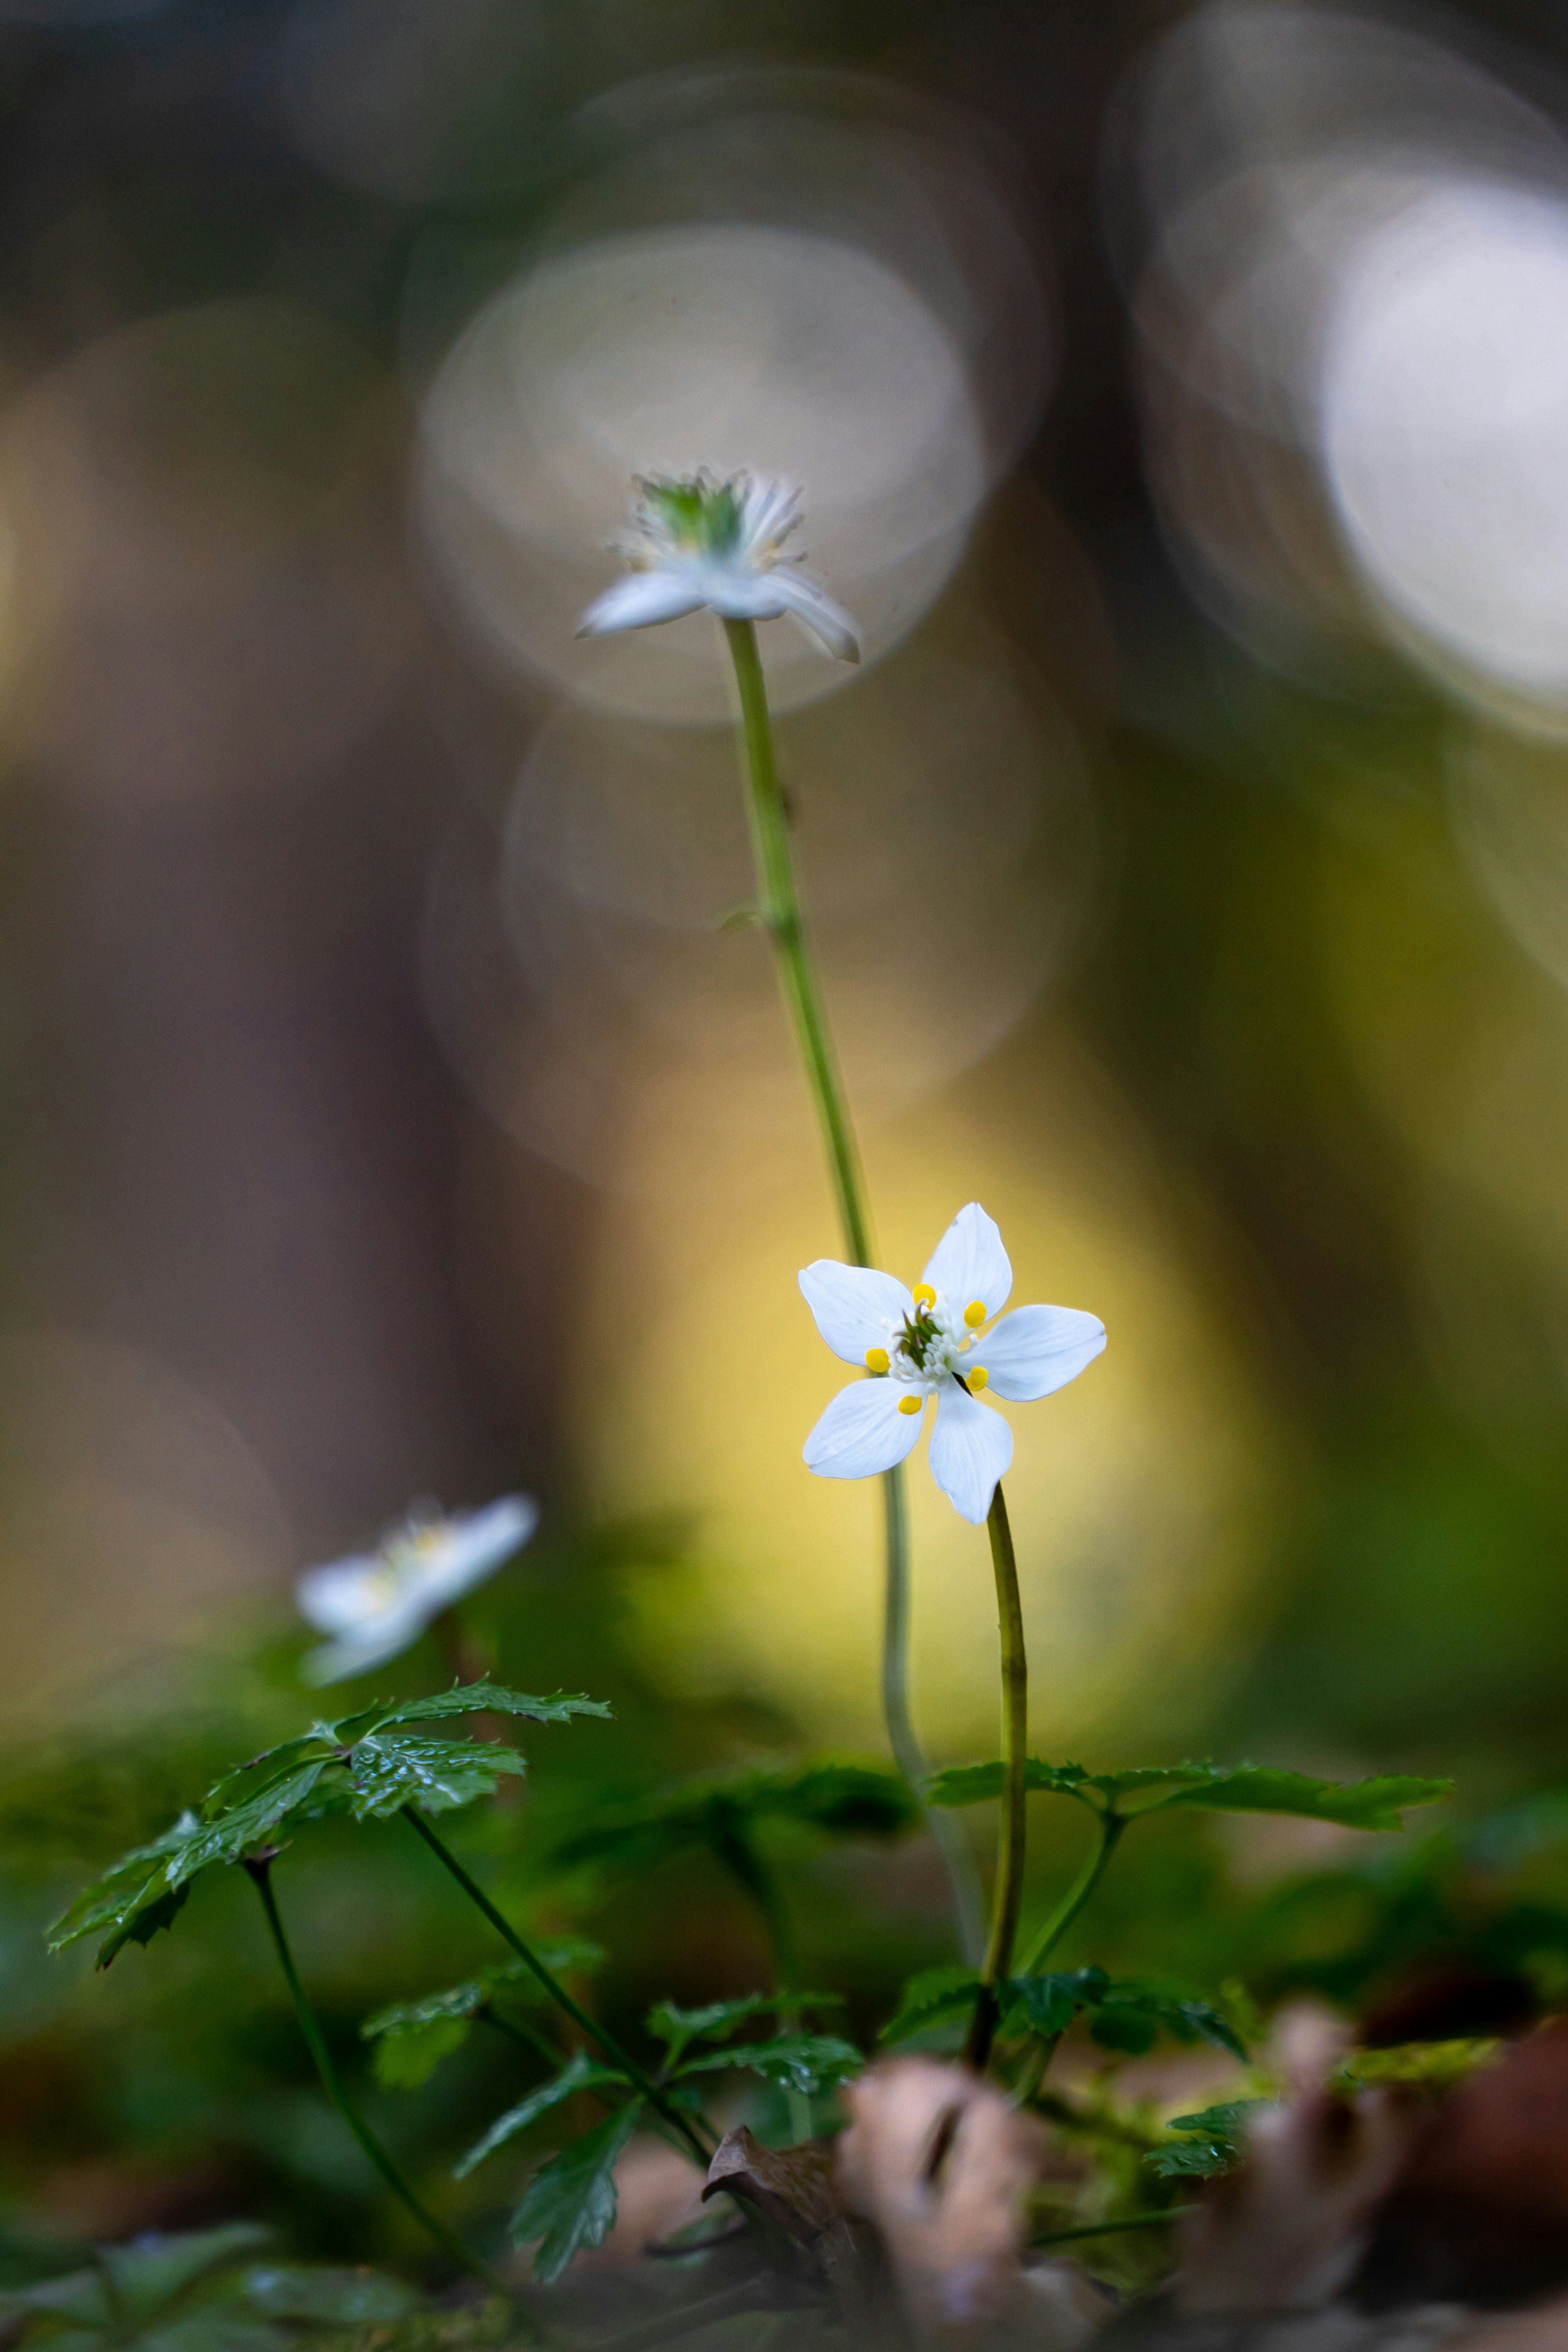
(975, 1312)
(876, 1359)
(910, 1404)
(977, 1379)
(924, 1295)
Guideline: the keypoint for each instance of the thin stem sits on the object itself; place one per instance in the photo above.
(332, 2083)
(1007, 1892)
(1112, 1824)
(685, 2318)
(637, 2075)
(778, 906)
(528, 2037)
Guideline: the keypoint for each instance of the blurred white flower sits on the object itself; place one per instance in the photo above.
(377, 1603)
(702, 541)
(932, 1342)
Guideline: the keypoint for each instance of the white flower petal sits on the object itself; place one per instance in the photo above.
(1035, 1349)
(345, 1593)
(640, 601)
(816, 614)
(862, 1432)
(969, 1262)
(470, 1549)
(356, 1653)
(971, 1447)
(853, 1304)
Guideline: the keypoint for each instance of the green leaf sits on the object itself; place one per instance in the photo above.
(135, 1884)
(212, 2327)
(434, 1775)
(513, 1978)
(1372, 1805)
(570, 2202)
(248, 1824)
(681, 2027)
(337, 2298)
(581, 2072)
(808, 2063)
(470, 1698)
(407, 2061)
(836, 1796)
(1212, 2142)
(975, 1784)
(928, 1999)
(1438, 2064)
(1132, 2013)
(1047, 2005)
(143, 1925)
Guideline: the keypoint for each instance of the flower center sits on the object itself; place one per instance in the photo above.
(700, 516)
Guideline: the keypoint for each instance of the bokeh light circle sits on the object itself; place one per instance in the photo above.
(1445, 431)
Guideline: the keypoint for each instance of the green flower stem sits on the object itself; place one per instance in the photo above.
(1006, 1896)
(1110, 1825)
(779, 905)
(332, 2083)
(660, 2101)
(779, 909)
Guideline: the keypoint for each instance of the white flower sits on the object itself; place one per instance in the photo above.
(376, 1604)
(934, 1341)
(702, 541)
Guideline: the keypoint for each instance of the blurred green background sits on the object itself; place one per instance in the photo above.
(386, 1116)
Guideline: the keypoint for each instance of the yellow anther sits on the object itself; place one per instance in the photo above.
(975, 1312)
(876, 1359)
(977, 1379)
(910, 1404)
(924, 1295)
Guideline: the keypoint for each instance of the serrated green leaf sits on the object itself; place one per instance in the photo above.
(1047, 2005)
(929, 1997)
(1130, 2012)
(143, 1925)
(125, 1888)
(407, 2061)
(581, 2072)
(570, 2203)
(248, 1824)
(1212, 2141)
(1440, 2064)
(679, 2028)
(1373, 1804)
(807, 2062)
(470, 1698)
(391, 1770)
(975, 1784)
(333, 2297)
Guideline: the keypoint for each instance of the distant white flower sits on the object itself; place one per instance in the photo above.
(377, 1603)
(933, 1342)
(702, 541)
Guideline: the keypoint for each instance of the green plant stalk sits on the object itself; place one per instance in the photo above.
(1006, 1894)
(641, 2081)
(332, 2083)
(1110, 1825)
(779, 909)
